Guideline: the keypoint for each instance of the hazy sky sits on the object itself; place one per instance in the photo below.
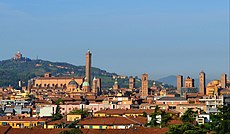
(129, 37)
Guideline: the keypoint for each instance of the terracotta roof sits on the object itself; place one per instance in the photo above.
(45, 78)
(6, 118)
(57, 122)
(4, 129)
(135, 130)
(108, 121)
(101, 97)
(139, 119)
(124, 111)
(172, 99)
(34, 131)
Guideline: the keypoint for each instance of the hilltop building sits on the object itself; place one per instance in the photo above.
(18, 56)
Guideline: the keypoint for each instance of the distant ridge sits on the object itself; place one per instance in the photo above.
(13, 70)
(171, 80)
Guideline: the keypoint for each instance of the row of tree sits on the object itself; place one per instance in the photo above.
(219, 124)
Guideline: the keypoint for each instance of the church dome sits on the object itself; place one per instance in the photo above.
(85, 84)
(72, 83)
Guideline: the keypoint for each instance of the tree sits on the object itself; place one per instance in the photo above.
(189, 116)
(57, 115)
(221, 120)
(144, 114)
(84, 113)
(165, 118)
(72, 131)
(162, 121)
(186, 128)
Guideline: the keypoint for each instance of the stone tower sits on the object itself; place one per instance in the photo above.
(96, 86)
(131, 83)
(202, 83)
(223, 80)
(144, 86)
(115, 85)
(179, 82)
(88, 67)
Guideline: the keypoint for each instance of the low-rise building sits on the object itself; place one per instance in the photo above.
(73, 117)
(22, 122)
(121, 112)
(172, 102)
(212, 103)
(182, 108)
(111, 122)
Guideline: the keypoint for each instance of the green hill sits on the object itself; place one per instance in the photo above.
(11, 71)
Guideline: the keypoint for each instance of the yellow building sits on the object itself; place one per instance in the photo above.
(22, 122)
(213, 87)
(74, 117)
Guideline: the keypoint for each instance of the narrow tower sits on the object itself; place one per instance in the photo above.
(223, 80)
(179, 82)
(202, 83)
(131, 83)
(144, 86)
(88, 67)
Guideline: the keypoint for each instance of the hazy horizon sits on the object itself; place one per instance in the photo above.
(126, 37)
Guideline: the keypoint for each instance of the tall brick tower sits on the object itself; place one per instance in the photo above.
(131, 82)
(179, 82)
(88, 67)
(202, 83)
(144, 86)
(223, 80)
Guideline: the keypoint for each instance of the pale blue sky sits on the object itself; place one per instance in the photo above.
(129, 37)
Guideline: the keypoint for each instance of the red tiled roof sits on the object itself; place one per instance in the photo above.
(108, 121)
(4, 129)
(124, 111)
(136, 130)
(6, 118)
(34, 131)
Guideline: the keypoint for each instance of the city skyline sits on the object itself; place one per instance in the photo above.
(158, 38)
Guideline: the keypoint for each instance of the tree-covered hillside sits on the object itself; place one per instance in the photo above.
(11, 71)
